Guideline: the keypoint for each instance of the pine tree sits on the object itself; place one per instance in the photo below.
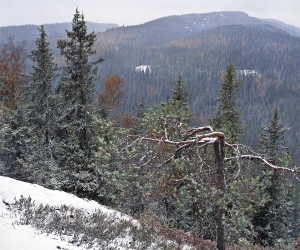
(227, 118)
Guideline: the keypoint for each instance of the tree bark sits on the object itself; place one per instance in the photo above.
(219, 148)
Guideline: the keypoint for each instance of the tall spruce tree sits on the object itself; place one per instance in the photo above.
(27, 132)
(272, 139)
(228, 116)
(40, 118)
(41, 105)
(76, 87)
(75, 93)
(273, 221)
(227, 120)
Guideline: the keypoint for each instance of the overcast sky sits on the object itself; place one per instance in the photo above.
(128, 12)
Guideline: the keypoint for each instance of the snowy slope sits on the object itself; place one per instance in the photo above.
(24, 237)
(110, 230)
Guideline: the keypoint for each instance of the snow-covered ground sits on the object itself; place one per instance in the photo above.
(14, 236)
(17, 236)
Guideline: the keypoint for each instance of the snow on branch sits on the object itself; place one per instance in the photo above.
(241, 152)
(253, 156)
(196, 140)
(263, 161)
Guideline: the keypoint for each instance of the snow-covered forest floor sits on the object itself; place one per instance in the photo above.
(16, 235)
(33, 218)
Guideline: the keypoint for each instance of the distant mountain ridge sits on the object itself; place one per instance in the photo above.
(56, 30)
(166, 29)
(204, 21)
(191, 23)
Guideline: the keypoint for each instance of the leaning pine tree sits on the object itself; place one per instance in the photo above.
(75, 93)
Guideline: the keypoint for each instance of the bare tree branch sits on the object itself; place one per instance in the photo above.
(197, 139)
(263, 161)
(194, 131)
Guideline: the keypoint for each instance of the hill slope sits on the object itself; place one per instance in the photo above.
(23, 236)
(198, 47)
(33, 217)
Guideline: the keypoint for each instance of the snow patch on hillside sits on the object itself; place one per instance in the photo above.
(248, 72)
(143, 68)
(24, 237)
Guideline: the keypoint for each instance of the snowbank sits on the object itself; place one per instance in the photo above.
(24, 237)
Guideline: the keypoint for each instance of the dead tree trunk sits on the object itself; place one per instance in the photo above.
(219, 148)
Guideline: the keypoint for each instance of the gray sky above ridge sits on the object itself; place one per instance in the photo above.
(129, 12)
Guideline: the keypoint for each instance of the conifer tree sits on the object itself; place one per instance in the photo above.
(76, 87)
(272, 139)
(39, 117)
(41, 105)
(178, 104)
(75, 93)
(273, 222)
(228, 116)
(28, 129)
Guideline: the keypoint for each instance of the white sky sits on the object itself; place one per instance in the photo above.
(128, 12)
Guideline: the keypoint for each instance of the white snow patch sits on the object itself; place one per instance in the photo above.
(143, 68)
(247, 72)
(14, 236)
(208, 140)
(24, 237)
(11, 189)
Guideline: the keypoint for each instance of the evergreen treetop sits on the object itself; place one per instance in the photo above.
(42, 78)
(77, 81)
(272, 139)
(228, 116)
(178, 105)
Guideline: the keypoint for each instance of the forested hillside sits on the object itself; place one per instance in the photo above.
(265, 57)
(190, 128)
